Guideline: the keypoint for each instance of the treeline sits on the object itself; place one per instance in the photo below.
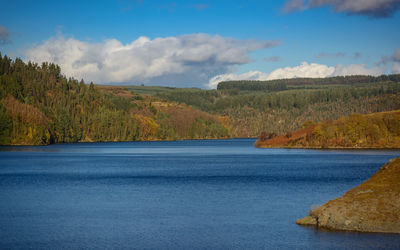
(282, 84)
(253, 85)
(377, 130)
(38, 105)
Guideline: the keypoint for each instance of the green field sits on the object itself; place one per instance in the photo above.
(154, 90)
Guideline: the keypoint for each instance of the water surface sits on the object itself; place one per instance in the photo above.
(206, 194)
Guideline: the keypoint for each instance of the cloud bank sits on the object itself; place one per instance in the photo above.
(371, 8)
(187, 59)
(308, 70)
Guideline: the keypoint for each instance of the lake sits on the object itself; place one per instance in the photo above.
(201, 194)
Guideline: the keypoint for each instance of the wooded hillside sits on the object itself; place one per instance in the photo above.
(253, 110)
(283, 84)
(378, 130)
(38, 105)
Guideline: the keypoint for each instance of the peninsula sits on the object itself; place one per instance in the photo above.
(376, 130)
(373, 206)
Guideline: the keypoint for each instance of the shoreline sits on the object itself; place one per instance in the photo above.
(80, 142)
(328, 148)
(372, 206)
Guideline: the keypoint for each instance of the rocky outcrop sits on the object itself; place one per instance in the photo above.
(373, 206)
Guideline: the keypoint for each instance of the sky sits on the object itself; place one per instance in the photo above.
(200, 43)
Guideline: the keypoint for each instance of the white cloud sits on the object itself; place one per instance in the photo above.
(187, 59)
(250, 75)
(307, 70)
(303, 70)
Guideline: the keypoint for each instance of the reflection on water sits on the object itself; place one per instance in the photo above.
(206, 194)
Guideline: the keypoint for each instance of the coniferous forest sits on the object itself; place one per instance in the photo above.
(39, 105)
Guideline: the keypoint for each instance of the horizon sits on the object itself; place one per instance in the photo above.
(129, 84)
(191, 44)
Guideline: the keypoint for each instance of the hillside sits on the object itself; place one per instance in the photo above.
(373, 206)
(40, 106)
(284, 105)
(377, 130)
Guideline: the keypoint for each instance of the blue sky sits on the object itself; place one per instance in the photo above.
(239, 37)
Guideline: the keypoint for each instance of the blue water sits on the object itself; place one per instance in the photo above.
(211, 194)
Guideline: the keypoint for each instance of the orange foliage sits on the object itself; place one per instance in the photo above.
(377, 130)
(225, 121)
(148, 127)
(182, 118)
(118, 91)
(24, 112)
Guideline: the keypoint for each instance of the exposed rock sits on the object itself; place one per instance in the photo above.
(373, 206)
(307, 221)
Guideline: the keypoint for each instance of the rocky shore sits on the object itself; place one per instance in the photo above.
(373, 206)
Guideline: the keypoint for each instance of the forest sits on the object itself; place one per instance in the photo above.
(278, 111)
(39, 105)
(283, 84)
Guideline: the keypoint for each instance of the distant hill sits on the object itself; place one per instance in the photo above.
(284, 105)
(38, 106)
(154, 90)
(283, 84)
(377, 130)
(373, 206)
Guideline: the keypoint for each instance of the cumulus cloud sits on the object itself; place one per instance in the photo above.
(371, 8)
(272, 59)
(187, 59)
(303, 70)
(308, 70)
(251, 75)
(4, 35)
